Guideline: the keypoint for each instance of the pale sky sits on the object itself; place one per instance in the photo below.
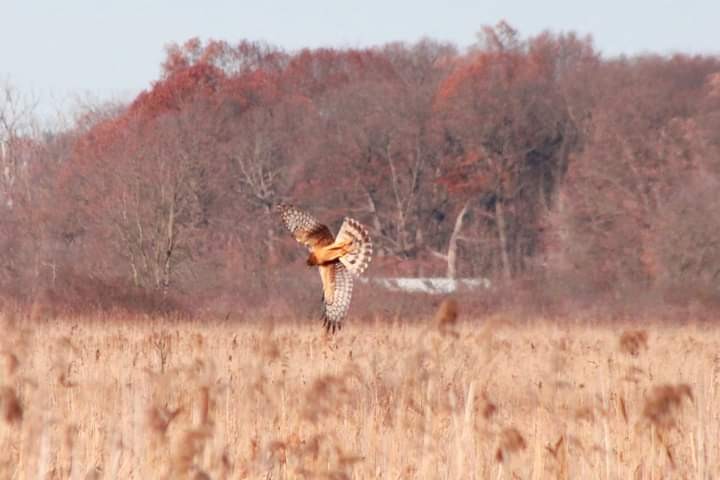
(59, 49)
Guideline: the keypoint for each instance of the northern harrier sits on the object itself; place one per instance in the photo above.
(338, 258)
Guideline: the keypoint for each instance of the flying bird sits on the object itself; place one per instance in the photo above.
(339, 258)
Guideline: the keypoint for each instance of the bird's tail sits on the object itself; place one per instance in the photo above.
(358, 257)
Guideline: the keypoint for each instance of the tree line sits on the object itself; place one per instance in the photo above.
(520, 159)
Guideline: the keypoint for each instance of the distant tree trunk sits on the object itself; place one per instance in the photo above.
(452, 246)
(451, 256)
(400, 221)
(502, 237)
(373, 211)
(270, 242)
(169, 248)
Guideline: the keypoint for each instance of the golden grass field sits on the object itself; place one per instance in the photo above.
(484, 398)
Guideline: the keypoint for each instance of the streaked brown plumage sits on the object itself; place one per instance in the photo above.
(338, 258)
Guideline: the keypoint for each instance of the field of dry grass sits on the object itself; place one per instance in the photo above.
(142, 398)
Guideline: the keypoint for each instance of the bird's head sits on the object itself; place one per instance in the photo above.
(312, 260)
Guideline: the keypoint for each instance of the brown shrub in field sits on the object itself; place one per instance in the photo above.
(664, 401)
(446, 317)
(511, 441)
(10, 406)
(633, 341)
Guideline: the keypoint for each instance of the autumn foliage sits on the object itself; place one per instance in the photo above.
(522, 160)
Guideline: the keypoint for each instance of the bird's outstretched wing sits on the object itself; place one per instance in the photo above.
(358, 257)
(304, 227)
(337, 291)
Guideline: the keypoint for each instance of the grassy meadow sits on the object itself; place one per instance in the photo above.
(110, 397)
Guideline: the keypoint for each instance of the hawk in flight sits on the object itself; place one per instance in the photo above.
(338, 258)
